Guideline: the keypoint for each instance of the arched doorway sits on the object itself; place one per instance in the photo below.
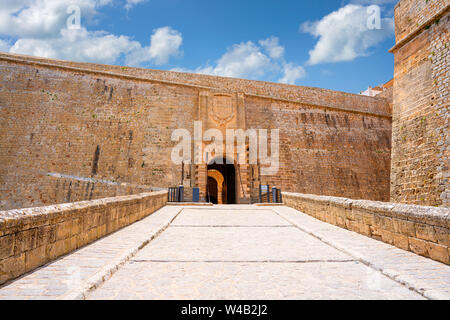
(228, 188)
(213, 190)
(215, 187)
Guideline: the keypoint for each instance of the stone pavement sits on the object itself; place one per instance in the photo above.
(72, 275)
(235, 252)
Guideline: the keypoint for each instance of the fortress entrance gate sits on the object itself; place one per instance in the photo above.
(221, 184)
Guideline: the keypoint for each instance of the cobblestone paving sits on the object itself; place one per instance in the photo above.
(228, 280)
(429, 277)
(245, 253)
(67, 274)
(236, 252)
(238, 244)
(229, 217)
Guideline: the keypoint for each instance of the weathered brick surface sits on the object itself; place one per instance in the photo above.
(422, 230)
(388, 94)
(115, 124)
(421, 137)
(32, 237)
(326, 151)
(62, 189)
(412, 14)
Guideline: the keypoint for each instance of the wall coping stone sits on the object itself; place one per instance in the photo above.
(36, 236)
(437, 216)
(13, 220)
(401, 42)
(97, 69)
(419, 229)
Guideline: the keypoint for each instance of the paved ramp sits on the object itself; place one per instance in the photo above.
(236, 252)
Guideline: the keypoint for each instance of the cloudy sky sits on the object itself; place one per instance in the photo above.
(334, 44)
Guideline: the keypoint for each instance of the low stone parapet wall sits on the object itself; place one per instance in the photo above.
(31, 237)
(422, 230)
(32, 188)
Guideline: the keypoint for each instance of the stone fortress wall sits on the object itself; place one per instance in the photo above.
(420, 144)
(77, 131)
(32, 237)
(114, 124)
(421, 136)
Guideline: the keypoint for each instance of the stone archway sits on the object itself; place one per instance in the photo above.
(228, 186)
(218, 190)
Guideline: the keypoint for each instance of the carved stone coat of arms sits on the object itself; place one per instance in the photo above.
(222, 109)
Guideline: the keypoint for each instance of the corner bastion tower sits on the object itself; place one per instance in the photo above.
(421, 136)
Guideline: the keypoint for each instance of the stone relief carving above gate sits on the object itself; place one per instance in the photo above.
(222, 109)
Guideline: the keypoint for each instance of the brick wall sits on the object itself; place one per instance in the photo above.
(32, 237)
(327, 152)
(388, 94)
(422, 230)
(421, 145)
(301, 94)
(55, 188)
(86, 126)
(114, 123)
(412, 14)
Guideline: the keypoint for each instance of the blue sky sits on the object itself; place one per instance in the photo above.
(340, 45)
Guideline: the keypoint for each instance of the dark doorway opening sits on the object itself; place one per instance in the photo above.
(212, 190)
(229, 184)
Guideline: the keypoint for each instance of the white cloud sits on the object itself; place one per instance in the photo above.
(344, 35)
(271, 45)
(4, 46)
(247, 60)
(78, 45)
(241, 61)
(41, 18)
(386, 5)
(372, 2)
(131, 3)
(165, 42)
(39, 28)
(292, 73)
